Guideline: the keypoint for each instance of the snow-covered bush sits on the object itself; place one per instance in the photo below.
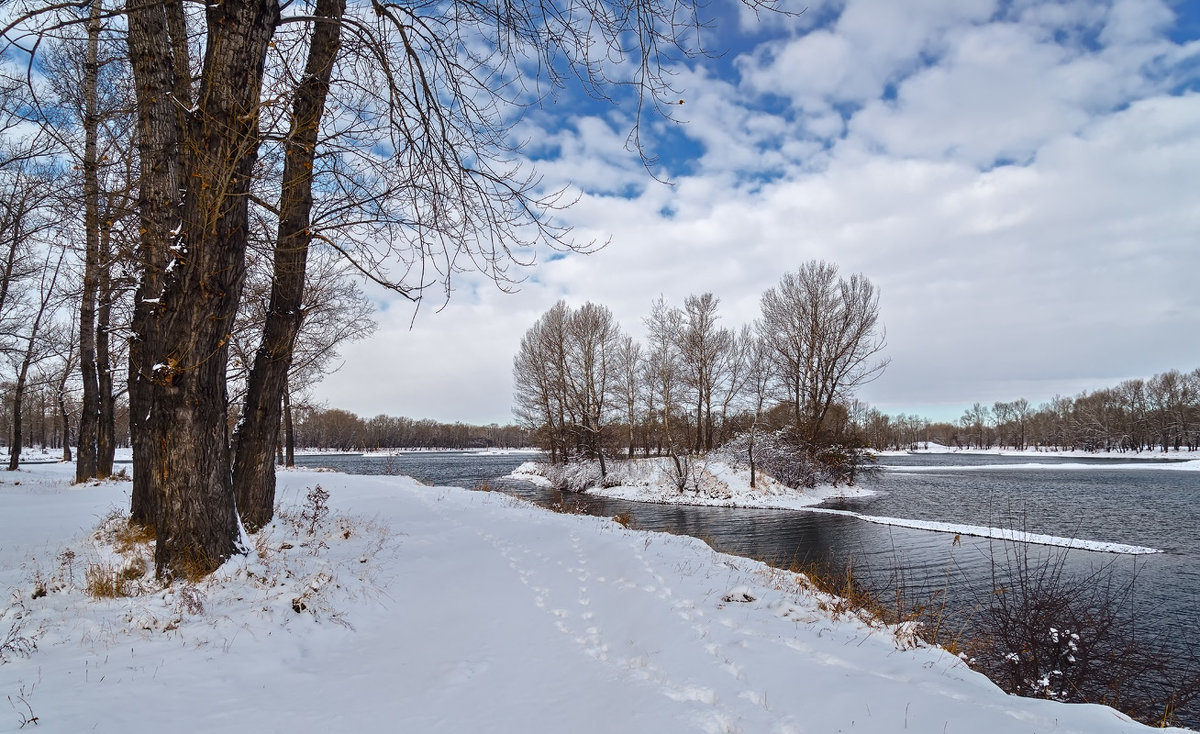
(793, 462)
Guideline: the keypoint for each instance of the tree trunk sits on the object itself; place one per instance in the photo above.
(65, 417)
(160, 110)
(106, 429)
(289, 430)
(85, 467)
(753, 474)
(258, 432)
(196, 523)
(15, 437)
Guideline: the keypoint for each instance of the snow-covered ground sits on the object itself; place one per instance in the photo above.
(429, 609)
(711, 483)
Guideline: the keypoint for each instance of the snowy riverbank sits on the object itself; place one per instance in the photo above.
(1037, 453)
(710, 484)
(719, 485)
(433, 609)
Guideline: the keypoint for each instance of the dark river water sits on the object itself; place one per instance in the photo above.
(1106, 500)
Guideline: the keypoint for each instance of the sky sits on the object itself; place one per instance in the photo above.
(1021, 181)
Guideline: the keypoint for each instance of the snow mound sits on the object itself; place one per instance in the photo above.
(709, 483)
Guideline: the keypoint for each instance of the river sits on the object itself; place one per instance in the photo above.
(1139, 503)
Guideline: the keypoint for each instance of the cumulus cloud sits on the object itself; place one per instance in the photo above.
(1018, 179)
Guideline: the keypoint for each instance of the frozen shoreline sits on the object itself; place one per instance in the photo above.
(650, 481)
(1141, 456)
(715, 484)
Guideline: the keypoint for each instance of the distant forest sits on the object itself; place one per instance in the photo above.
(1161, 413)
(342, 430)
(314, 427)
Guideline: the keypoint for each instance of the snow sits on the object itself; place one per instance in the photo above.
(723, 486)
(984, 531)
(414, 608)
(711, 484)
(1193, 465)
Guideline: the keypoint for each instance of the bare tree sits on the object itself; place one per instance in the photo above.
(67, 353)
(826, 340)
(89, 421)
(734, 375)
(430, 93)
(539, 381)
(198, 145)
(593, 342)
(36, 345)
(569, 375)
(335, 312)
(629, 371)
(758, 383)
(701, 345)
(253, 466)
(663, 371)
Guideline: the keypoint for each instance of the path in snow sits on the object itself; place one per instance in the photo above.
(485, 614)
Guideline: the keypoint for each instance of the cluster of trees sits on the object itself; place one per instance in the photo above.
(70, 260)
(181, 147)
(48, 425)
(586, 389)
(1160, 413)
(344, 431)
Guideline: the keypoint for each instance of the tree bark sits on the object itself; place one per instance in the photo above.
(15, 437)
(184, 361)
(258, 431)
(85, 466)
(106, 428)
(160, 126)
(289, 429)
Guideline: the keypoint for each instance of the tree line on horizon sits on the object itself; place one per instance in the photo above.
(332, 428)
(1160, 413)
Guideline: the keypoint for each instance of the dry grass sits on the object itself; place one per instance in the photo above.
(132, 535)
(842, 591)
(127, 570)
(101, 581)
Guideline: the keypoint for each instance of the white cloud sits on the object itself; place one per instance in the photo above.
(1072, 270)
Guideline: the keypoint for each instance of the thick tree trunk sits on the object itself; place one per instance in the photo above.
(85, 467)
(258, 432)
(159, 124)
(196, 523)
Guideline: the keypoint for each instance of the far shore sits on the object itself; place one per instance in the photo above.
(1145, 455)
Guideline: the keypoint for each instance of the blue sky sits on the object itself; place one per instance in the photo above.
(1020, 179)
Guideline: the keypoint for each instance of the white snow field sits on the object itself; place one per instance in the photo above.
(432, 609)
